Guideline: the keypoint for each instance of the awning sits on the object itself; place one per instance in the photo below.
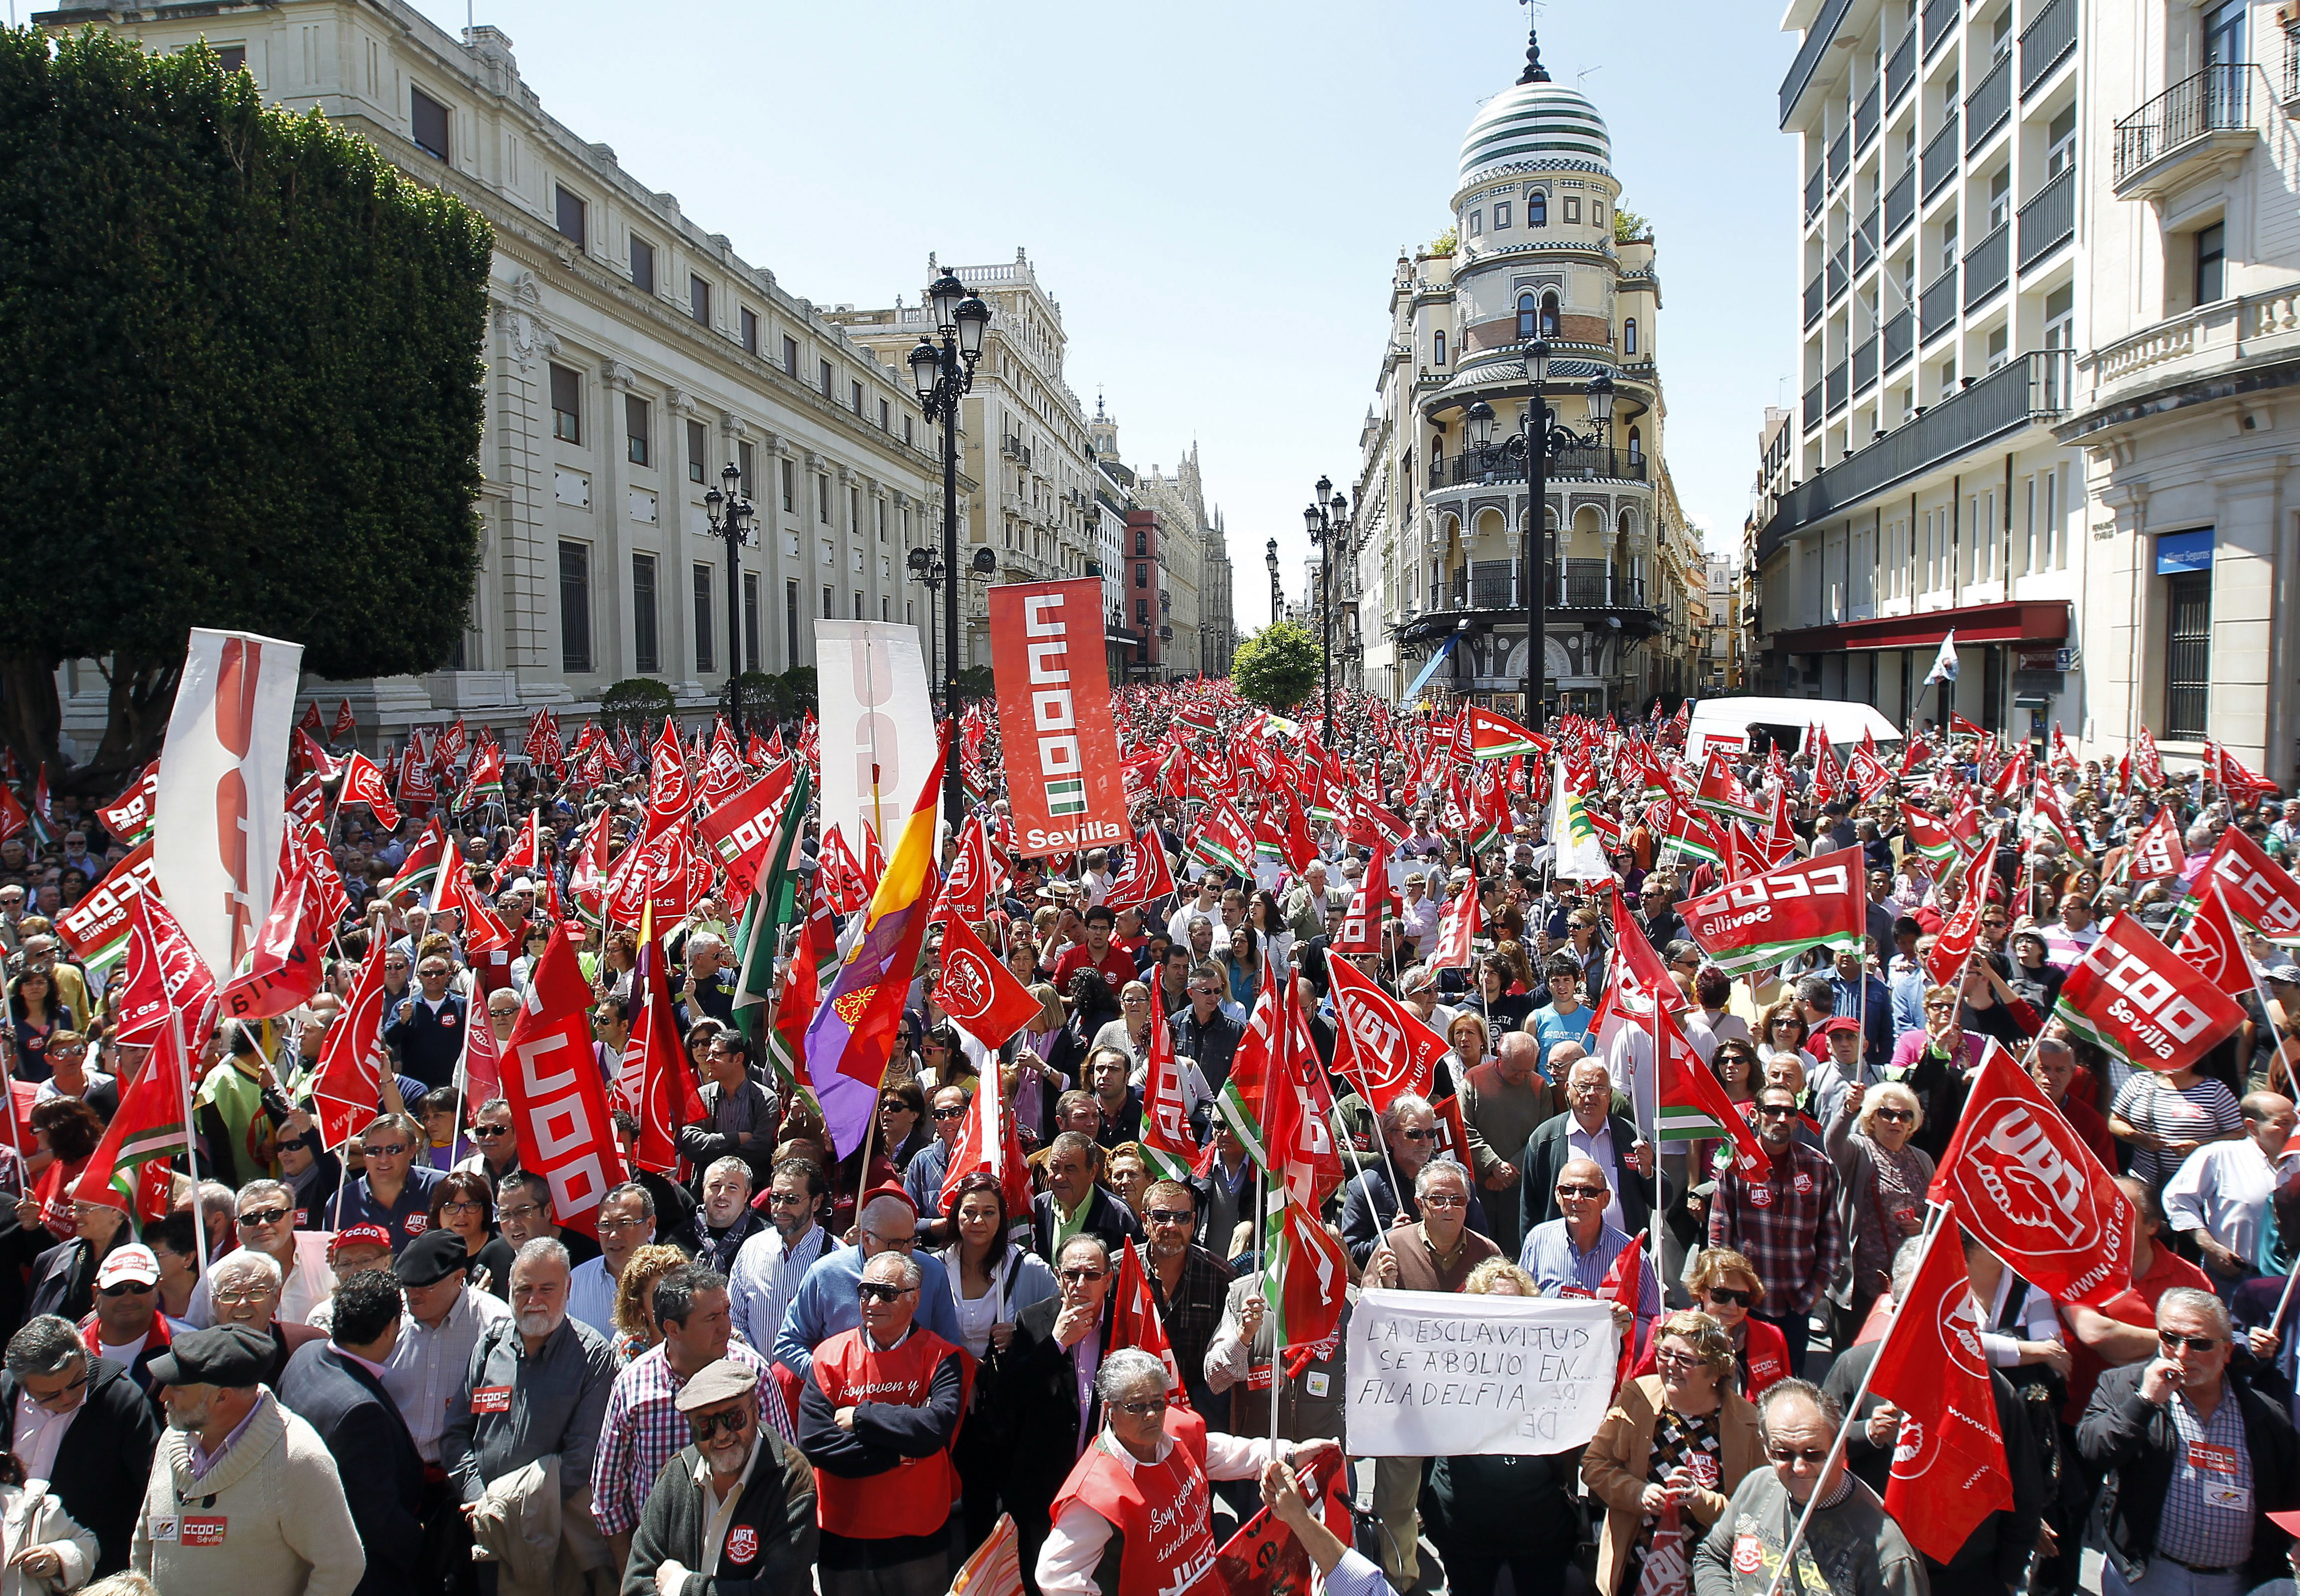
(2036, 622)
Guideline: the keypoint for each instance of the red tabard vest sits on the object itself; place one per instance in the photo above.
(914, 1497)
(1161, 1508)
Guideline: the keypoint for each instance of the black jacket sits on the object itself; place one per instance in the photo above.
(1547, 1152)
(777, 1559)
(2134, 1442)
(429, 1044)
(1106, 1217)
(1213, 1045)
(382, 1471)
(1037, 1397)
(104, 1460)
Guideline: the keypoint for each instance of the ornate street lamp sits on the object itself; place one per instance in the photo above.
(730, 517)
(944, 376)
(1328, 524)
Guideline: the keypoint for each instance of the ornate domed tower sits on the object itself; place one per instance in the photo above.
(1539, 257)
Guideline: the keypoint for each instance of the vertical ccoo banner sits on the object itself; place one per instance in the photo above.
(1062, 773)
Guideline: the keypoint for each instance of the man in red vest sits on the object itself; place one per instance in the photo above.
(877, 1419)
(1138, 1498)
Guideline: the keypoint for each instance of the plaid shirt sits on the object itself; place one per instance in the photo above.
(1195, 1313)
(643, 1432)
(1787, 1225)
(2191, 1528)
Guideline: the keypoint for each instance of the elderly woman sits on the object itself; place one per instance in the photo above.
(1881, 1181)
(1725, 1286)
(1467, 1033)
(1485, 1514)
(1674, 1446)
(1935, 1063)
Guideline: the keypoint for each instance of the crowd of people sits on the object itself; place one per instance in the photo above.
(392, 1366)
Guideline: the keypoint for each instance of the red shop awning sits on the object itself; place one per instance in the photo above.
(2034, 621)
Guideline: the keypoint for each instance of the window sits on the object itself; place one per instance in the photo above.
(822, 498)
(2061, 317)
(1549, 315)
(232, 58)
(1439, 359)
(2211, 262)
(854, 397)
(886, 417)
(791, 625)
(1477, 223)
(1630, 336)
(1141, 542)
(855, 512)
(790, 488)
(643, 616)
(573, 218)
(2224, 41)
(827, 610)
(790, 356)
(2000, 344)
(575, 608)
(886, 608)
(1596, 214)
(2060, 142)
(1142, 575)
(642, 265)
(1948, 242)
(1142, 611)
(698, 299)
(566, 406)
(702, 618)
(858, 606)
(1536, 210)
(750, 323)
(906, 431)
(822, 377)
(2000, 197)
(1501, 216)
(635, 427)
(1528, 318)
(2188, 653)
(1637, 444)
(1572, 209)
(698, 443)
(427, 123)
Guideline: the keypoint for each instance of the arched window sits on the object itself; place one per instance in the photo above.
(1630, 336)
(1141, 542)
(1536, 210)
(1528, 316)
(1549, 315)
(1441, 347)
(1637, 444)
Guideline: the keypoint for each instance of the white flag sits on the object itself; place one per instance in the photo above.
(1945, 663)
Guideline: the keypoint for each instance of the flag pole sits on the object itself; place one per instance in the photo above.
(191, 1139)
(1935, 1212)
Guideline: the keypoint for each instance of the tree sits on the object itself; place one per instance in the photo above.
(977, 682)
(1630, 228)
(639, 702)
(1277, 668)
(244, 389)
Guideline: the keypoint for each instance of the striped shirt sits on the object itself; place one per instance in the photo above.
(643, 1431)
(2199, 1111)
(2207, 1522)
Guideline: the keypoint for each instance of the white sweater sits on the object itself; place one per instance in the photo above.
(268, 1520)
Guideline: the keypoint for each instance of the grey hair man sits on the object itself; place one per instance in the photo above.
(827, 1303)
(84, 1425)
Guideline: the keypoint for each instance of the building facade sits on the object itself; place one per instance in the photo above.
(1540, 249)
(631, 356)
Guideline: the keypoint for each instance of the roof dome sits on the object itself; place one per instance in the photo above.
(1535, 120)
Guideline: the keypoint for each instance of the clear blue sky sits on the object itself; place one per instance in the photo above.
(1216, 193)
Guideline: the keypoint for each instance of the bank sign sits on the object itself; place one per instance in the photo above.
(1054, 729)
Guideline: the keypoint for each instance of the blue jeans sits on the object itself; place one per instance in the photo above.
(2166, 1577)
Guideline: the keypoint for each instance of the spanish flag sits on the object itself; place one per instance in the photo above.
(854, 1031)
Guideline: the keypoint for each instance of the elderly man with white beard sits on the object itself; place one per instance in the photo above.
(537, 1384)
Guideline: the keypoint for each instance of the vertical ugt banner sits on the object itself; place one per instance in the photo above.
(1062, 775)
(878, 726)
(221, 805)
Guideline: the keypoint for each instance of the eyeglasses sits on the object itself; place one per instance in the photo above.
(705, 1426)
(1777, 1111)
(1568, 1191)
(521, 1213)
(462, 1205)
(1675, 1358)
(620, 1225)
(488, 1132)
(61, 1391)
(1896, 1116)
(1939, 1007)
(263, 1216)
(2172, 1342)
(233, 1296)
(1445, 1200)
(1085, 1276)
(1144, 1409)
(787, 1199)
(129, 1288)
(1726, 1294)
(1169, 1216)
(1811, 1457)
(384, 1150)
(871, 1291)
(1419, 1135)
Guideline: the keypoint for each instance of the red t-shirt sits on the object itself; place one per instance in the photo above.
(1117, 966)
(2136, 1307)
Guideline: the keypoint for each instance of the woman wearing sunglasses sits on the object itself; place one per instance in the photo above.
(1725, 1286)
(1882, 1180)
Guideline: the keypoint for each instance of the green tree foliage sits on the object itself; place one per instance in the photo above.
(244, 388)
(1277, 668)
(769, 697)
(1630, 228)
(977, 682)
(640, 703)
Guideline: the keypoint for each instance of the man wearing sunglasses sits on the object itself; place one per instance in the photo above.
(1785, 1221)
(1848, 1533)
(877, 1417)
(1046, 1384)
(84, 1425)
(395, 1192)
(2192, 1460)
(738, 1505)
(265, 1222)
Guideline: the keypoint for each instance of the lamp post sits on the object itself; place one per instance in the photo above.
(1277, 586)
(926, 567)
(1327, 523)
(730, 517)
(944, 376)
(1539, 436)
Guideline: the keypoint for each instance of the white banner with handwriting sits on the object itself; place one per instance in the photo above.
(1434, 1376)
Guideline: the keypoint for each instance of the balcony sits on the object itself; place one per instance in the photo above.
(1840, 275)
(1816, 191)
(2046, 42)
(1940, 159)
(1813, 412)
(1901, 204)
(2205, 341)
(1864, 366)
(1584, 585)
(1936, 306)
(2049, 219)
(2029, 388)
(1900, 340)
(1865, 242)
(1838, 390)
(2198, 122)
(1988, 107)
(1474, 470)
(1840, 157)
(1868, 117)
(2291, 82)
(1988, 267)
(1940, 25)
(1817, 40)
(1901, 67)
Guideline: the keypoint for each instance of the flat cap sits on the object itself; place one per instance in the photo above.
(716, 1383)
(430, 1258)
(231, 1355)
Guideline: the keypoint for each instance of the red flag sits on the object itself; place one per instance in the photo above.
(149, 1123)
(483, 931)
(165, 975)
(1361, 931)
(667, 1097)
(2029, 1186)
(482, 1062)
(1380, 1044)
(981, 995)
(741, 829)
(1760, 923)
(1944, 964)
(848, 891)
(2260, 892)
(353, 1058)
(309, 721)
(669, 795)
(305, 753)
(1948, 1463)
(559, 1105)
(128, 816)
(2213, 944)
(2145, 764)
(1457, 929)
(989, 1145)
(364, 783)
(1167, 1141)
(1144, 875)
(1721, 790)
(1686, 1083)
(347, 723)
(2134, 996)
(1624, 1283)
(967, 890)
(282, 966)
(1134, 1322)
(1297, 1118)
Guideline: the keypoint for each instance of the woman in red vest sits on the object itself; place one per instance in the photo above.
(1135, 1505)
